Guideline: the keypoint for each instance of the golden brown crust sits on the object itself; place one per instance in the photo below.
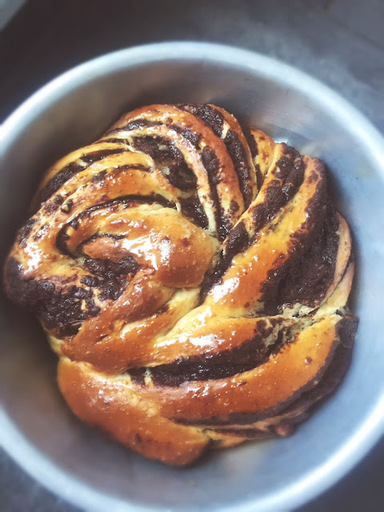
(192, 281)
(108, 404)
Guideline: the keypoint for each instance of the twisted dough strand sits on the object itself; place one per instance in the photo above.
(193, 280)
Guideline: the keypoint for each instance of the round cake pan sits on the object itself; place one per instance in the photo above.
(82, 465)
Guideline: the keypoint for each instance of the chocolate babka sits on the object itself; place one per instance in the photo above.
(192, 278)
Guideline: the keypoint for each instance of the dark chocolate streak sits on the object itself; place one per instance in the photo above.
(212, 117)
(180, 175)
(193, 138)
(100, 176)
(259, 176)
(238, 241)
(289, 173)
(300, 404)
(70, 170)
(58, 310)
(128, 201)
(134, 125)
(53, 204)
(308, 279)
(110, 276)
(211, 164)
(301, 243)
(65, 310)
(251, 141)
(249, 355)
(192, 209)
(240, 163)
(26, 229)
(303, 406)
(165, 153)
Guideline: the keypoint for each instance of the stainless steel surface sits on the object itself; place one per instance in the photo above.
(80, 464)
(8, 9)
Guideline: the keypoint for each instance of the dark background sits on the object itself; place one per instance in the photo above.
(340, 42)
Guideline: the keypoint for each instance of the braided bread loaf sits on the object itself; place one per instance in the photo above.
(192, 280)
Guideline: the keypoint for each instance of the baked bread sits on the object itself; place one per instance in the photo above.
(193, 281)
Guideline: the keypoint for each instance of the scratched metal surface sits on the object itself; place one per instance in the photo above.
(341, 42)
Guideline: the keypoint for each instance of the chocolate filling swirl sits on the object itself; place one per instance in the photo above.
(193, 279)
